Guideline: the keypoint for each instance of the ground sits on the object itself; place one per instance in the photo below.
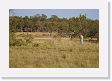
(46, 52)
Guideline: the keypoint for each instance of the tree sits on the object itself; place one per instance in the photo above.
(69, 27)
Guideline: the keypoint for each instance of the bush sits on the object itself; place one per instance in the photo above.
(11, 38)
(28, 38)
(13, 41)
(35, 45)
(18, 42)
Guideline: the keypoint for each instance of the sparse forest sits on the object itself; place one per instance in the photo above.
(41, 42)
(64, 27)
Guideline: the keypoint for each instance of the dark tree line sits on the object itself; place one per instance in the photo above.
(63, 26)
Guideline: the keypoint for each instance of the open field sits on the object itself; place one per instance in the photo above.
(36, 34)
(54, 53)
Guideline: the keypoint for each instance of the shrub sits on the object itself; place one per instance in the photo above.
(28, 38)
(35, 45)
(13, 41)
(11, 38)
(18, 42)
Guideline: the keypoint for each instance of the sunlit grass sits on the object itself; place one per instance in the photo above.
(55, 53)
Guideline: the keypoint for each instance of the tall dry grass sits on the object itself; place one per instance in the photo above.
(55, 53)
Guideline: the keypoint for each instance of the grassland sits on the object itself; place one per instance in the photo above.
(54, 53)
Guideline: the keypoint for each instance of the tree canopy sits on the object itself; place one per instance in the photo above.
(63, 26)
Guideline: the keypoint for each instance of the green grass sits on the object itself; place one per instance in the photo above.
(55, 53)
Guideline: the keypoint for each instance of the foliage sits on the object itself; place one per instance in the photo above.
(28, 38)
(11, 38)
(63, 26)
(14, 41)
